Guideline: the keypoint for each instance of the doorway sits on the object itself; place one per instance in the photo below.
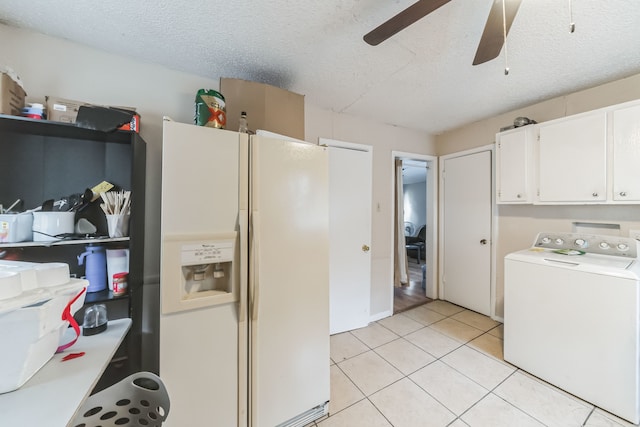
(418, 234)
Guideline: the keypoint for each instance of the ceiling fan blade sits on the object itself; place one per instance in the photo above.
(492, 37)
(402, 20)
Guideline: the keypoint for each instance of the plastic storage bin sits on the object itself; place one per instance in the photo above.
(32, 299)
(16, 227)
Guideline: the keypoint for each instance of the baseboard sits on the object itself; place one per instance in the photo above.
(378, 316)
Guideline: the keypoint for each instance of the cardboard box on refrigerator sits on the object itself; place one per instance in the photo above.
(12, 95)
(268, 107)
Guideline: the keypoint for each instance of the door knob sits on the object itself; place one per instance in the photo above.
(483, 241)
(365, 248)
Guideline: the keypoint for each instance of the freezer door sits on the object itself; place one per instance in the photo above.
(289, 281)
(203, 345)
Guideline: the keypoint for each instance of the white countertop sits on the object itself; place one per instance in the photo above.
(52, 396)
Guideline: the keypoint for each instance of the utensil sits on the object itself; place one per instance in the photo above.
(84, 201)
(12, 206)
(116, 202)
(47, 205)
(74, 202)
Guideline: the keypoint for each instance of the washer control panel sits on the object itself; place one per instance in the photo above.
(589, 243)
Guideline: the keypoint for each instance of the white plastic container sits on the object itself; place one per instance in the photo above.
(16, 227)
(31, 322)
(117, 262)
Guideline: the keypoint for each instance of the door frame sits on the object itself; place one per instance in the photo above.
(431, 238)
(493, 222)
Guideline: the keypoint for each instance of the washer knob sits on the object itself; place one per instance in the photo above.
(559, 241)
(623, 246)
(604, 245)
(546, 240)
(580, 242)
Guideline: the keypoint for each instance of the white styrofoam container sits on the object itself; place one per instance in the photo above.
(25, 358)
(16, 227)
(10, 284)
(31, 323)
(35, 275)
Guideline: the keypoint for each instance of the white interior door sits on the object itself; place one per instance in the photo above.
(349, 235)
(466, 204)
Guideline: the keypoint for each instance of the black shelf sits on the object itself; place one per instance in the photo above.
(103, 296)
(98, 239)
(61, 130)
(43, 160)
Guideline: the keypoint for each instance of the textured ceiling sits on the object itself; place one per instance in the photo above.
(421, 78)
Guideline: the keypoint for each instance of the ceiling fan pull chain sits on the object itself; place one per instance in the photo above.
(572, 25)
(504, 35)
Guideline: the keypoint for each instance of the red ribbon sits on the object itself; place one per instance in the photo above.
(66, 315)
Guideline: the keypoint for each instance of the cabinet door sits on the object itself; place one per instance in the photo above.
(514, 166)
(573, 159)
(626, 154)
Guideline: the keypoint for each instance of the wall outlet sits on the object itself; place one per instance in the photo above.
(634, 234)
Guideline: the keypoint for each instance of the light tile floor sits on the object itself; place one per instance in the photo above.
(441, 365)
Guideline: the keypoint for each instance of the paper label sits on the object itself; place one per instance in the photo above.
(207, 252)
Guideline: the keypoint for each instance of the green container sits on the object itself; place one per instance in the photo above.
(210, 109)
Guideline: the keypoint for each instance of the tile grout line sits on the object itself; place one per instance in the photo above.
(398, 337)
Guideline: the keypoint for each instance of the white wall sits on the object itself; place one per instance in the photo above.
(384, 139)
(517, 226)
(50, 66)
(415, 204)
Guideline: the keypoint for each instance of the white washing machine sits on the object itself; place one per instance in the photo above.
(571, 317)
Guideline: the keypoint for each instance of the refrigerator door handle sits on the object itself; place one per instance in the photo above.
(255, 264)
(242, 298)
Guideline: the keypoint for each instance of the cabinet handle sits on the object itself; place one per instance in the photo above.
(483, 241)
(594, 194)
(623, 194)
(519, 196)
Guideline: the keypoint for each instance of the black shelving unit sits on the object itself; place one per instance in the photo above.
(47, 160)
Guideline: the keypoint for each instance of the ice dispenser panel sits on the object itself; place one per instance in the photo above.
(206, 267)
(198, 271)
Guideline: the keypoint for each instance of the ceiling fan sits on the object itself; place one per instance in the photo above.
(495, 30)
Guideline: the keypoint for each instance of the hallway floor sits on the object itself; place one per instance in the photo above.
(441, 365)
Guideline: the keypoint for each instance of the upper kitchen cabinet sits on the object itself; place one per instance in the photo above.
(572, 159)
(626, 154)
(514, 165)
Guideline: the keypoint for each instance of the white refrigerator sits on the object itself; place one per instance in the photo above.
(244, 288)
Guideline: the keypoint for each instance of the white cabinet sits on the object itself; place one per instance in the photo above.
(572, 159)
(514, 165)
(588, 158)
(626, 154)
